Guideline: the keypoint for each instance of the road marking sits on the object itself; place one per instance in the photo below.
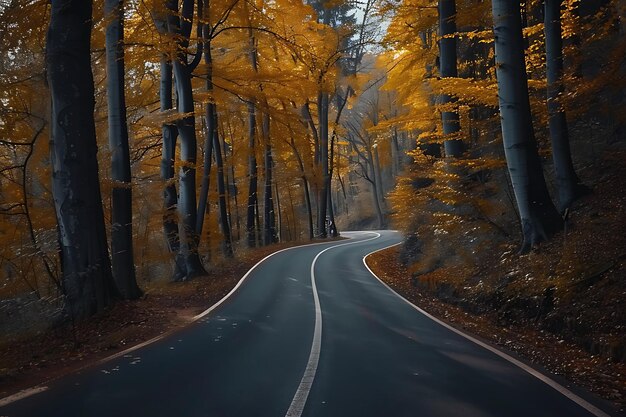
(22, 394)
(241, 281)
(37, 389)
(543, 378)
(302, 393)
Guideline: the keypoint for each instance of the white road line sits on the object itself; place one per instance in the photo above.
(241, 281)
(22, 394)
(299, 399)
(37, 389)
(543, 378)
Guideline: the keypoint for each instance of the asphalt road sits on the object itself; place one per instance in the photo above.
(322, 340)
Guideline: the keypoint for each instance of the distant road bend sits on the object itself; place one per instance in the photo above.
(309, 331)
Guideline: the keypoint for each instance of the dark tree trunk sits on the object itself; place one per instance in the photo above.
(305, 184)
(395, 153)
(375, 192)
(269, 219)
(168, 154)
(122, 201)
(206, 169)
(332, 229)
(322, 206)
(279, 216)
(87, 278)
(448, 68)
(187, 207)
(539, 217)
(233, 189)
(251, 234)
(379, 177)
(309, 210)
(227, 246)
(252, 209)
(568, 184)
(212, 124)
(208, 138)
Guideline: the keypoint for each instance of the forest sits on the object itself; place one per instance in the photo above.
(153, 151)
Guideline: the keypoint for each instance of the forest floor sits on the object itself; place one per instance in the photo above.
(165, 307)
(563, 306)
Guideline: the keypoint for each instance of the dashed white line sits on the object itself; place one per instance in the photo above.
(302, 393)
(543, 378)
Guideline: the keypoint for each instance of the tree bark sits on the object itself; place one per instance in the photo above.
(269, 220)
(251, 235)
(279, 215)
(568, 184)
(206, 168)
(538, 215)
(305, 184)
(87, 278)
(122, 201)
(208, 136)
(395, 153)
(448, 68)
(379, 177)
(323, 163)
(227, 246)
(187, 208)
(309, 209)
(168, 155)
(375, 191)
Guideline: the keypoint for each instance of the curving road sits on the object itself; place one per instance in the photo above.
(309, 332)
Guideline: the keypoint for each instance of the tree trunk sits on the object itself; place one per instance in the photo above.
(334, 232)
(568, 184)
(187, 207)
(227, 246)
(448, 68)
(395, 153)
(323, 155)
(305, 184)
(206, 168)
(235, 190)
(279, 216)
(379, 177)
(252, 208)
(212, 142)
(309, 210)
(122, 201)
(269, 221)
(168, 155)
(87, 279)
(538, 215)
(208, 137)
(252, 179)
(375, 192)
(294, 232)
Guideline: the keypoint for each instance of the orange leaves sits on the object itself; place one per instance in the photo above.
(467, 90)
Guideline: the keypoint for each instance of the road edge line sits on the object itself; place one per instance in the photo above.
(530, 370)
(22, 394)
(302, 393)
